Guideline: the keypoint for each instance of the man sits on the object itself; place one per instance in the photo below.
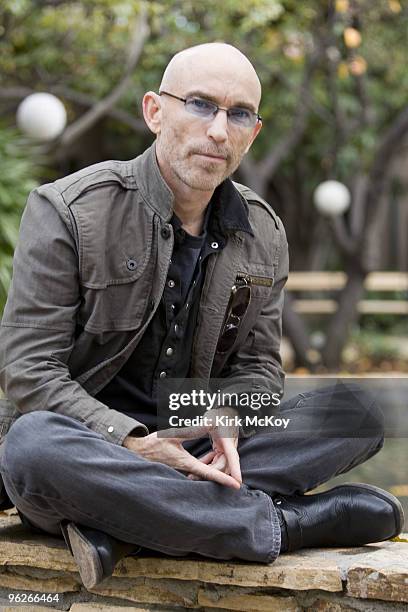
(131, 273)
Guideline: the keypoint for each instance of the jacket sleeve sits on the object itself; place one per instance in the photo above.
(38, 325)
(256, 366)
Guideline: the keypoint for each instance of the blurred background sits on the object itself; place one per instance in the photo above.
(332, 157)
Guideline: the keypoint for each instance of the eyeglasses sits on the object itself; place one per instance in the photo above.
(243, 117)
(238, 305)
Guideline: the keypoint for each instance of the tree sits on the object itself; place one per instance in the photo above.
(334, 104)
(19, 174)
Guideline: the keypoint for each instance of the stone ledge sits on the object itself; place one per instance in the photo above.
(364, 578)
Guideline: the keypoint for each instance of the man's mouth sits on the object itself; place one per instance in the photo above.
(218, 158)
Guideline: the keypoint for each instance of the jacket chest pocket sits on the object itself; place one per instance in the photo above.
(117, 307)
(255, 285)
(260, 284)
(260, 277)
(119, 300)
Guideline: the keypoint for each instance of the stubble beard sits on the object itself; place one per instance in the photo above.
(193, 173)
(201, 177)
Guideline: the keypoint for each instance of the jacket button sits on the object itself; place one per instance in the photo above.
(165, 232)
(110, 429)
(131, 264)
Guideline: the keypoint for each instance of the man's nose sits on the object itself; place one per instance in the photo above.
(218, 127)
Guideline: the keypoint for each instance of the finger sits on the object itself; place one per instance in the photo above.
(217, 461)
(232, 457)
(220, 463)
(210, 473)
(208, 457)
(185, 433)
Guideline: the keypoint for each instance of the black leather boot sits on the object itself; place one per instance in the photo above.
(348, 515)
(95, 552)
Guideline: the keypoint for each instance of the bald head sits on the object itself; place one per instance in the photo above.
(192, 68)
(202, 142)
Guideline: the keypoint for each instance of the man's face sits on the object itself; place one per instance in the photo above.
(201, 152)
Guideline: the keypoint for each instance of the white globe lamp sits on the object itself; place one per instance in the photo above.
(332, 198)
(41, 116)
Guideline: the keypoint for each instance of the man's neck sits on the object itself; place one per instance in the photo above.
(191, 212)
(189, 204)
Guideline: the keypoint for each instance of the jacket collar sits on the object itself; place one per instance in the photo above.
(228, 206)
(151, 183)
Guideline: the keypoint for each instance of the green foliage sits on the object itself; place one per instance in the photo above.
(18, 175)
(83, 45)
(375, 346)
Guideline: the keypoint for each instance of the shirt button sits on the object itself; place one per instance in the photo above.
(176, 328)
(165, 232)
(173, 306)
(169, 351)
(171, 283)
(110, 429)
(214, 245)
(163, 374)
(187, 305)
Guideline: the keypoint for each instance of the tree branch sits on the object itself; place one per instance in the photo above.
(342, 236)
(386, 151)
(357, 210)
(282, 149)
(138, 125)
(19, 93)
(101, 108)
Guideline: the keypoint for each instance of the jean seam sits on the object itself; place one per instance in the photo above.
(275, 527)
(275, 530)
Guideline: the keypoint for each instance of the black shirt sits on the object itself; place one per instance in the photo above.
(165, 348)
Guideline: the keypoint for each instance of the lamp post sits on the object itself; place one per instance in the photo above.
(41, 116)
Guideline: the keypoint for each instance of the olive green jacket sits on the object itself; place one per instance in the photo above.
(89, 272)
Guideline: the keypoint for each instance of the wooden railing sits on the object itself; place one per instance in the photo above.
(334, 281)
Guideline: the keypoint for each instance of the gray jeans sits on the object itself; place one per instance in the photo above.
(55, 468)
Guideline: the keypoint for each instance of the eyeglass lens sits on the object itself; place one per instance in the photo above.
(205, 108)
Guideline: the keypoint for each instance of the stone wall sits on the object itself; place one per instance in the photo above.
(373, 577)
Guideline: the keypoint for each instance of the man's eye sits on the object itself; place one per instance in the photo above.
(239, 113)
(201, 104)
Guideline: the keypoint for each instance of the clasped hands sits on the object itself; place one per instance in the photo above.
(221, 464)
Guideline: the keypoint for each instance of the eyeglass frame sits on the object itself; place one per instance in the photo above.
(230, 315)
(216, 108)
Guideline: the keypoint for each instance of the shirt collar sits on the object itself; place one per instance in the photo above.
(230, 209)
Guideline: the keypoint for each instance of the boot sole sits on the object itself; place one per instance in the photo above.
(391, 499)
(86, 557)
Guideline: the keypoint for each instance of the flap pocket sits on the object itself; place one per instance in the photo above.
(114, 246)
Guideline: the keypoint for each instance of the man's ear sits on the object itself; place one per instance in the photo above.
(151, 106)
(255, 133)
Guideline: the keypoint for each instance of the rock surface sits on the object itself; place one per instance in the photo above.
(364, 578)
